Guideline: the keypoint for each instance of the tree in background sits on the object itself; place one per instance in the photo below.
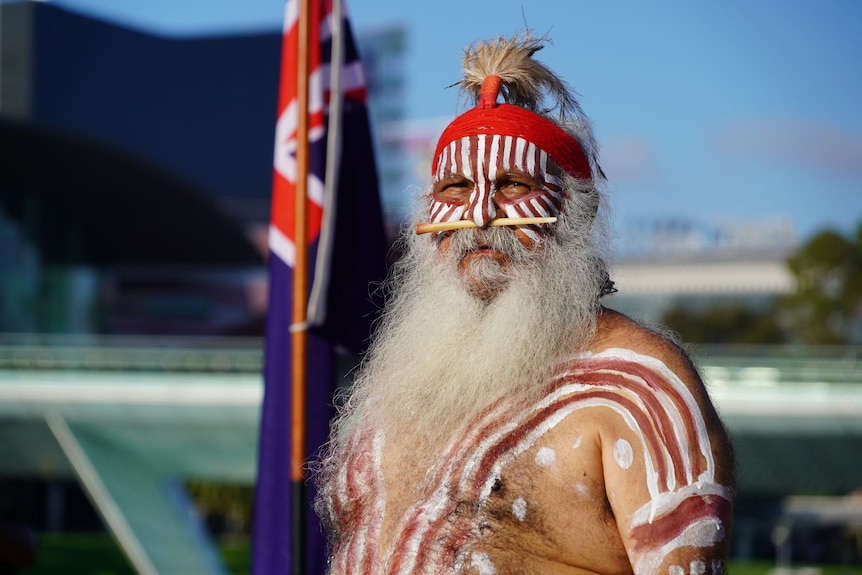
(724, 323)
(226, 507)
(826, 308)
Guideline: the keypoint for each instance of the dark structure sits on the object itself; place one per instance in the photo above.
(136, 166)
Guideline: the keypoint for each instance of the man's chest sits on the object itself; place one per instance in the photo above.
(506, 496)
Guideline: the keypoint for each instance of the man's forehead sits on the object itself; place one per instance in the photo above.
(490, 153)
(501, 171)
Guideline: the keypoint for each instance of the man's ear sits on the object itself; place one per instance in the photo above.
(594, 202)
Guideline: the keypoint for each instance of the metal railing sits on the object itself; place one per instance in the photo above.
(130, 353)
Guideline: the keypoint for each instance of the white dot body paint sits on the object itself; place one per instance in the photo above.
(697, 568)
(623, 454)
(483, 564)
(580, 488)
(578, 442)
(675, 570)
(519, 508)
(546, 457)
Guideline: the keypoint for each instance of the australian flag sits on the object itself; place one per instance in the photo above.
(346, 256)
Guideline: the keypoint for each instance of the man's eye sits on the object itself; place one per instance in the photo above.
(454, 189)
(514, 187)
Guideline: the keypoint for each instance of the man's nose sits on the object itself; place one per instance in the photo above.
(482, 208)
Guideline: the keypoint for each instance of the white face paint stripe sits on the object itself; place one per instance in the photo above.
(520, 146)
(437, 208)
(538, 207)
(464, 164)
(454, 155)
(531, 158)
(442, 161)
(482, 188)
(447, 212)
(480, 158)
(522, 209)
(507, 152)
(494, 165)
(494, 157)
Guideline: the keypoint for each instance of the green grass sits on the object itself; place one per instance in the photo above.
(98, 554)
(236, 557)
(79, 554)
(764, 567)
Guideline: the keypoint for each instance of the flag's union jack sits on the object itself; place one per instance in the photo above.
(353, 88)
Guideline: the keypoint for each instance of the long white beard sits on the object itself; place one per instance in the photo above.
(440, 354)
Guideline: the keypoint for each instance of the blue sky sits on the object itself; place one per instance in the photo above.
(730, 111)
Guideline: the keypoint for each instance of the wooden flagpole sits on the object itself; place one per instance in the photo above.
(300, 290)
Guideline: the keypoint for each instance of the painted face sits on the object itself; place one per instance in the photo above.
(482, 177)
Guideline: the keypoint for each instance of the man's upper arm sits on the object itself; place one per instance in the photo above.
(667, 465)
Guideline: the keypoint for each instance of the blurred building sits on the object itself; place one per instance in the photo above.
(135, 175)
(694, 264)
(136, 171)
(383, 52)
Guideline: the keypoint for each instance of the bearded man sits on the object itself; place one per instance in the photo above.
(504, 421)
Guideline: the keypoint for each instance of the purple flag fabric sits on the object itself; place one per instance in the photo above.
(346, 230)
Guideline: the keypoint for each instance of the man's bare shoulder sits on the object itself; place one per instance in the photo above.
(616, 330)
(695, 493)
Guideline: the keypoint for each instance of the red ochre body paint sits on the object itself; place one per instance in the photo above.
(433, 535)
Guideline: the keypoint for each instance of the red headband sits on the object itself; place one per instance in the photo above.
(488, 117)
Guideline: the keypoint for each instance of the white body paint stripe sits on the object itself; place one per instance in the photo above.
(471, 448)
